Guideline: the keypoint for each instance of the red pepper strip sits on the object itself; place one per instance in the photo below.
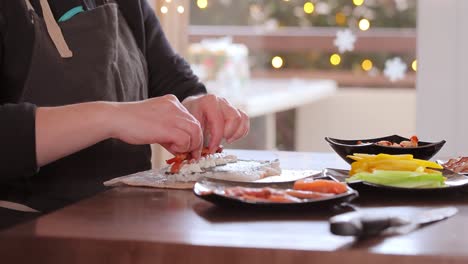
(187, 156)
(219, 150)
(205, 151)
(179, 157)
(176, 167)
(183, 156)
(170, 161)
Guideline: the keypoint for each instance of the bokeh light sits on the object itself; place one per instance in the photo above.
(180, 9)
(364, 24)
(335, 59)
(340, 18)
(367, 65)
(414, 65)
(309, 8)
(202, 4)
(358, 2)
(277, 62)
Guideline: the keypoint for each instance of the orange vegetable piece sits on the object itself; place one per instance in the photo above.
(322, 186)
(176, 167)
(177, 160)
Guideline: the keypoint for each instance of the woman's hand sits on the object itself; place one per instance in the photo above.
(63, 130)
(163, 120)
(218, 119)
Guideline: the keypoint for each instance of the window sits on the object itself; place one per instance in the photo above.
(240, 47)
(295, 38)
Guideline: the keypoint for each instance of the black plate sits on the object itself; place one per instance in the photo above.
(207, 185)
(454, 182)
(425, 150)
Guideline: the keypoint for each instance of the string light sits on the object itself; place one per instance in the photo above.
(364, 24)
(277, 62)
(309, 8)
(202, 4)
(340, 18)
(335, 59)
(164, 9)
(168, 1)
(367, 65)
(414, 65)
(358, 2)
(180, 9)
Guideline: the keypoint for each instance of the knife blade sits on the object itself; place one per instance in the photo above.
(371, 222)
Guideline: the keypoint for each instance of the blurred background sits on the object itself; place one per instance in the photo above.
(306, 69)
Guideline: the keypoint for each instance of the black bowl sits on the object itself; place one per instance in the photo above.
(425, 150)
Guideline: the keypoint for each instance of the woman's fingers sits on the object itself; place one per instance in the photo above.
(181, 119)
(219, 119)
(233, 119)
(178, 141)
(163, 120)
(192, 127)
(207, 109)
(215, 124)
(242, 129)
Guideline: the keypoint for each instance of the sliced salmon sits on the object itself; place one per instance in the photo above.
(322, 186)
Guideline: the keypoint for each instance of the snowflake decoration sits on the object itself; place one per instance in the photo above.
(345, 40)
(395, 69)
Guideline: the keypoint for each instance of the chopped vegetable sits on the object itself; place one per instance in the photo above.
(396, 170)
(369, 163)
(175, 168)
(405, 179)
(181, 157)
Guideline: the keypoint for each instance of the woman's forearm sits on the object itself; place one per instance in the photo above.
(61, 131)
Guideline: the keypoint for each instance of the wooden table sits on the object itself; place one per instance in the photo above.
(142, 225)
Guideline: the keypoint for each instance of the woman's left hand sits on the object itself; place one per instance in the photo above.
(218, 118)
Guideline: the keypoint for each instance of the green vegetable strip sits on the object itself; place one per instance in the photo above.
(404, 179)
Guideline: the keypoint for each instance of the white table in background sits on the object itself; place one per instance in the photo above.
(261, 99)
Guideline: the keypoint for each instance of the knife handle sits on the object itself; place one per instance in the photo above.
(361, 225)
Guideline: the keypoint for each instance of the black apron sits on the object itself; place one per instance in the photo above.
(96, 59)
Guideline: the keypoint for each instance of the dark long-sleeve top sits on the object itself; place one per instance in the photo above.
(168, 74)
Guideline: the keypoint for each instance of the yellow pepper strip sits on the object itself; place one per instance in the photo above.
(394, 157)
(370, 163)
(360, 156)
(429, 164)
(354, 157)
(396, 165)
(363, 155)
(424, 163)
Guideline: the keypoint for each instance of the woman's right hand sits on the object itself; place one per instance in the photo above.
(63, 130)
(162, 120)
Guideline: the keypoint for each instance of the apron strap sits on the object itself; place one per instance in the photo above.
(54, 30)
(28, 5)
(17, 207)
